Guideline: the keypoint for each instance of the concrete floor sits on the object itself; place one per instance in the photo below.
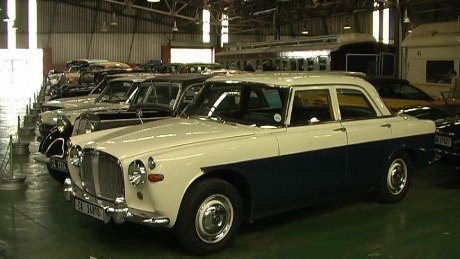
(36, 222)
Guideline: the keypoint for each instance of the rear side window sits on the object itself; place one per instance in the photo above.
(354, 104)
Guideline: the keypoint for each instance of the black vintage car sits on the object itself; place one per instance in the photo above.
(156, 98)
(447, 136)
(117, 92)
(447, 140)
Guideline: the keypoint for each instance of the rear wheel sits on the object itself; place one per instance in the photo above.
(394, 184)
(209, 218)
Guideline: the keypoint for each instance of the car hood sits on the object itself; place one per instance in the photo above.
(71, 101)
(71, 113)
(168, 133)
(449, 125)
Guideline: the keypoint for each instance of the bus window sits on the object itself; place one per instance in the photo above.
(310, 64)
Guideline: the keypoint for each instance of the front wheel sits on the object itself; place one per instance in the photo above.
(57, 175)
(209, 217)
(394, 185)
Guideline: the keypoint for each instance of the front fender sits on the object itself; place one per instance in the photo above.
(55, 143)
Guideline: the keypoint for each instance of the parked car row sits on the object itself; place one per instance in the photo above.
(83, 75)
(124, 101)
(200, 154)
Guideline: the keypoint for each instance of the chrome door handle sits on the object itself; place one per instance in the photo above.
(340, 129)
(388, 125)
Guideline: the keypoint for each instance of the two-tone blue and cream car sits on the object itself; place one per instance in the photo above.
(249, 146)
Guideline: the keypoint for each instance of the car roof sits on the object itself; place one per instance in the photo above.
(180, 77)
(111, 64)
(294, 78)
(133, 77)
(383, 79)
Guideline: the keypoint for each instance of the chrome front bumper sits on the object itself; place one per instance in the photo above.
(42, 159)
(117, 211)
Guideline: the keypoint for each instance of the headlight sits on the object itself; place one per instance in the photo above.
(63, 124)
(75, 155)
(137, 174)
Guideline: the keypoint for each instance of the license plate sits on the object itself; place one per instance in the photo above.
(89, 209)
(58, 164)
(442, 141)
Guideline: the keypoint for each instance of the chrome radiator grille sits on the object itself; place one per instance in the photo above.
(102, 175)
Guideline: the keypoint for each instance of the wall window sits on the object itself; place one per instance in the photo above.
(386, 24)
(437, 71)
(206, 26)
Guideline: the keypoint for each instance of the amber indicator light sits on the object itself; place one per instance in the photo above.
(155, 177)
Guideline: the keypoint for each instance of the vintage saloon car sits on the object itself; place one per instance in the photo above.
(398, 93)
(116, 94)
(248, 146)
(447, 140)
(83, 100)
(447, 136)
(156, 98)
(88, 79)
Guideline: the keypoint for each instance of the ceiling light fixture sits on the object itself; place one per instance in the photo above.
(174, 28)
(347, 25)
(153, 1)
(304, 30)
(406, 17)
(114, 21)
(104, 26)
(5, 18)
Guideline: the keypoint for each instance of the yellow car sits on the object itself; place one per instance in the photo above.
(398, 93)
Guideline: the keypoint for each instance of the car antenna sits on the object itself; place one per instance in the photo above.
(139, 114)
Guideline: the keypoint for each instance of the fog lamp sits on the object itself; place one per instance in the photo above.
(137, 173)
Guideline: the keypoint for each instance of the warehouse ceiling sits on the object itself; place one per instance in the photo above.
(245, 16)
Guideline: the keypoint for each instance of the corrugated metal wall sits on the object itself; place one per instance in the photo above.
(70, 31)
(361, 22)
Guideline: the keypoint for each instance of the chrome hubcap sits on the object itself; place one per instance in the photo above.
(214, 218)
(397, 176)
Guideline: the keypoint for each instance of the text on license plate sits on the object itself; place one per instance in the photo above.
(59, 165)
(89, 209)
(443, 141)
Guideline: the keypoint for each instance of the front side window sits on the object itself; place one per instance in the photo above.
(400, 90)
(354, 104)
(157, 93)
(115, 91)
(249, 104)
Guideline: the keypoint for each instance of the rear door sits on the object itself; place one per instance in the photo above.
(313, 150)
(368, 133)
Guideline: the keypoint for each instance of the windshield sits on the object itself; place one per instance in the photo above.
(116, 91)
(400, 90)
(249, 104)
(157, 93)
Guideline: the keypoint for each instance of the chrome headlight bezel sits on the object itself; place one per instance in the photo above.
(137, 173)
(89, 127)
(62, 124)
(76, 155)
